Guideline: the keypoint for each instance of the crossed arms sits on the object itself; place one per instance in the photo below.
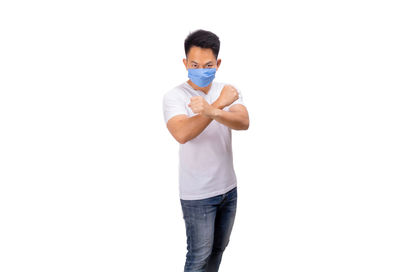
(184, 128)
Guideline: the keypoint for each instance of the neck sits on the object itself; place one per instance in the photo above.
(203, 89)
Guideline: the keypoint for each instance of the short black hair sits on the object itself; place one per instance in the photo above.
(204, 39)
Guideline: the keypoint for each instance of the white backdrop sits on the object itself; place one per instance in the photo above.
(89, 172)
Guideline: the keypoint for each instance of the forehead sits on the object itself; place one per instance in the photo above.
(200, 55)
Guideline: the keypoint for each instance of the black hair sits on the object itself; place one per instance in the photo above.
(203, 39)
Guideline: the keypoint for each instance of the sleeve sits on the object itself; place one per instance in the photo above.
(173, 104)
(237, 101)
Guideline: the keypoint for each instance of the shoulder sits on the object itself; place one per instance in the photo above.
(220, 85)
(176, 93)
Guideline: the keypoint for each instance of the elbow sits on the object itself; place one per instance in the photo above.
(241, 127)
(181, 139)
(245, 125)
(179, 134)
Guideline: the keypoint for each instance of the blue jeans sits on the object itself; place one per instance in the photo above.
(209, 224)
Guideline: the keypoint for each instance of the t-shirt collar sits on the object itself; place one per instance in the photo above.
(201, 92)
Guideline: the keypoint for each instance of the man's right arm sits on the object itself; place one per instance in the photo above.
(184, 128)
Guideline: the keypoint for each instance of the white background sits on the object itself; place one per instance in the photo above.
(89, 172)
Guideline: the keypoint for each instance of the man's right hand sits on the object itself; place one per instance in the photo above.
(228, 95)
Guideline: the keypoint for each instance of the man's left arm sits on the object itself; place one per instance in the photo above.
(236, 118)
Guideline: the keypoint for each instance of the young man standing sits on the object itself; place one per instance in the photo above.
(200, 114)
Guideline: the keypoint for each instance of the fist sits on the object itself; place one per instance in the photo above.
(228, 95)
(199, 105)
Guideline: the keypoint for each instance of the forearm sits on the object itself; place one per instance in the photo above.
(193, 126)
(234, 120)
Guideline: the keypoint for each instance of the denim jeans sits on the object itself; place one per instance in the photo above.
(209, 224)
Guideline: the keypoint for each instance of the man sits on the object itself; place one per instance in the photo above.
(200, 114)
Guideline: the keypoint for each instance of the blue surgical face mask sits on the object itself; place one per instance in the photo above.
(202, 77)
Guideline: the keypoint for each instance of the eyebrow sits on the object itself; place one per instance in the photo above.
(206, 63)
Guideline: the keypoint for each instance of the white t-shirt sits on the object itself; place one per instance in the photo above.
(205, 162)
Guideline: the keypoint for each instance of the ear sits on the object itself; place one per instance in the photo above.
(218, 63)
(185, 63)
